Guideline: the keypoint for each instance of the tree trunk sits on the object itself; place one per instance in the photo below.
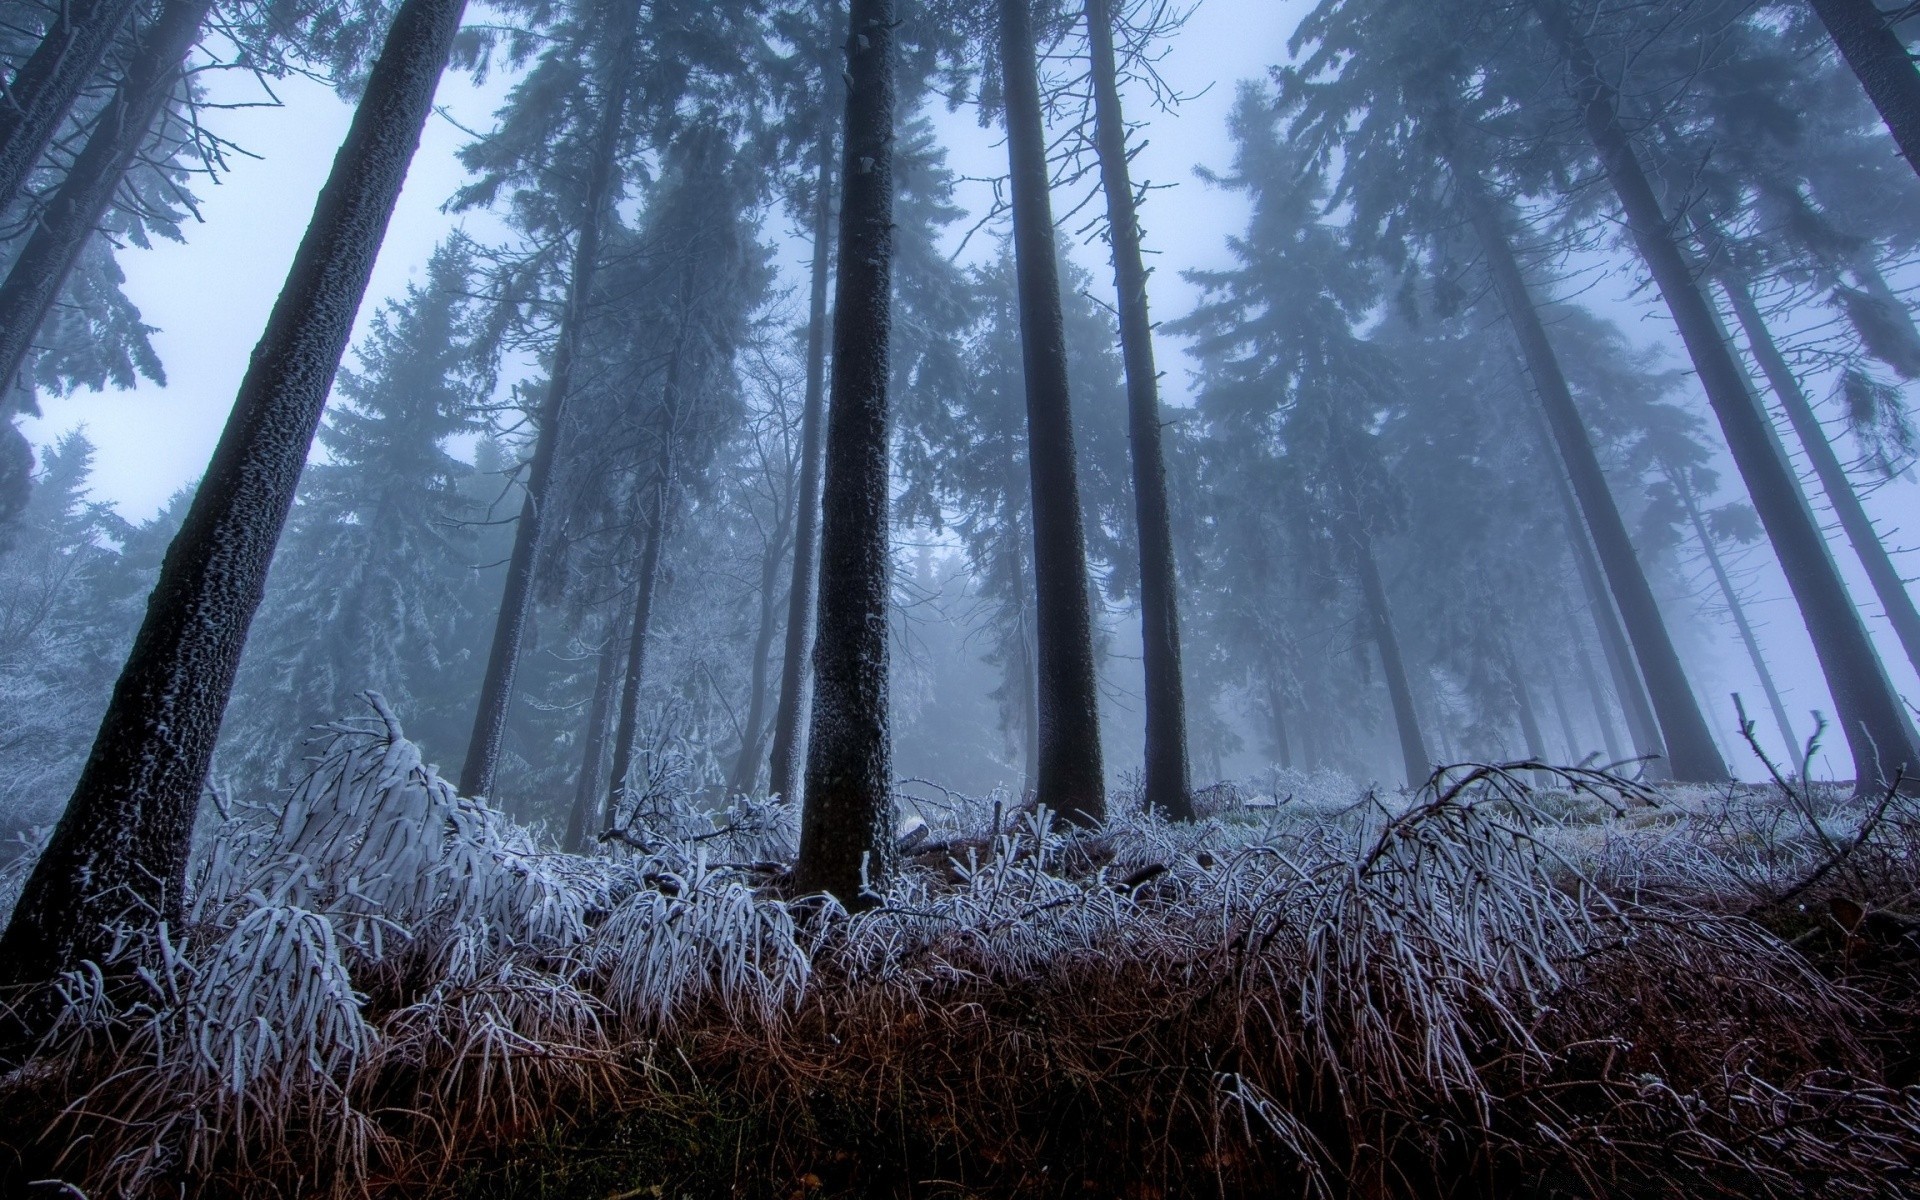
(1072, 781)
(1277, 712)
(783, 762)
(516, 598)
(63, 229)
(1739, 612)
(1167, 782)
(846, 825)
(1523, 708)
(746, 768)
(1888, 586)
(120, 849)
(42, 92)
(626, 741)
(1877, 731)
(1692, 757)
(1413, 747)
(1597, 694)
(593, 753)
(1027, 667)
(1859, 29)
(1565, 718)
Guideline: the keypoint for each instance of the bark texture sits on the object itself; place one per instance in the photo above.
(120, 849)
(516, 598)
(1072, 781)
(42, 92)
(1691, 754)
(1167, 784)
(846, 825)
(1861, 32)
(1869, 712)
(71, 216)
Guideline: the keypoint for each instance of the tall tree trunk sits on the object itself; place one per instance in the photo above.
(1691, 755)
(1072, 781)
(120, 849)
(1635, 708)
(1877, 730)
(1860, 30)
(495, 703)
(70, 218)
(1565, 718)
(1597, 695)
(1277, 714)
(1738, 611)
(846, 825)
(1888, 586)
(42, 92)
(1026, 665)
(593, 754)
(626, 741)
(783, 762)
(1167, 782)
(1523, 706)
(1413, 747)
(746, 768)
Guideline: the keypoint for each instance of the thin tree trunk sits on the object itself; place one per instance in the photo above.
(516, 598)
(1277, 713)
(1072, 781)
(1692, 757)
(42, 92)
(1877, 730)
(746, 768)
(1739, 612)
(120, 850)
(1560, 712)
(64, 228)
(1888, 587)
(593, 754)
(1597, 694)
(1413, 747)
(1523, 708)
(846, 825)
(626, 741)
(1859, 29)
(783, 762)
(1167, 782)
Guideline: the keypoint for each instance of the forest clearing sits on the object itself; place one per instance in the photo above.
(1131, 598)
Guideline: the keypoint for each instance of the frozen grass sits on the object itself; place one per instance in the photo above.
(1484, 988)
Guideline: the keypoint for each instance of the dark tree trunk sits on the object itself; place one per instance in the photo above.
(1277, 715)
(1026, 669)
(516, 598)
(1597, 694)
(783, 762)
(1888, 586)
(1413, 747)
(120, 849)
(1167, 782)
(846, 825)
(42, 92)
(1072, 781)
(1571, 738)
(746, 768)
(1877, 731)
(626, 740)
(1523, 707)
(1692, 757)
(1739, 612)
(593, 754)
(1860, 30)
(70, 218)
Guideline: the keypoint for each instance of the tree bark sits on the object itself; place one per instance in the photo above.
(120, 850)
(1860, 31)
(1072, 781)
(42, 92)
(626, 741)
(1740, 623)
(783, 762)
(1888, 586)
(495, 703)
(63, 229)
(1691, 755)
(1560, 712)
(1877, 730)
(1413, 747)
(1167, 782)
(593, 753)
(846, 825)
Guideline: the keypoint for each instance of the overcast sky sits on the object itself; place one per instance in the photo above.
(209, 298)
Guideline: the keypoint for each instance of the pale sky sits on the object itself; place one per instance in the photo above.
(210, 297)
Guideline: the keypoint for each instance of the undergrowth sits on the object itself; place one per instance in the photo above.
(1490, 987)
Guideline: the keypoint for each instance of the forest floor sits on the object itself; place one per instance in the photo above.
(1517, 981)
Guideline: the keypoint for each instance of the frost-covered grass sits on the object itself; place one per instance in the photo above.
(1486, 987)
